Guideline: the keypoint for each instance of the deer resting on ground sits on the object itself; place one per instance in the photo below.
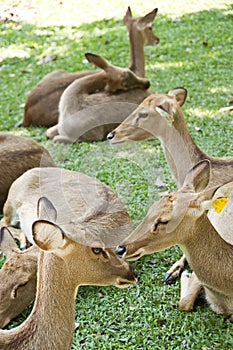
(81, 202)
(64, 264)
(90, 106)
(180, 218)
(41, 107)
(18, 154)
(160, 115)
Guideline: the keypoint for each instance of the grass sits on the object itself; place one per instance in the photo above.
(195, 52)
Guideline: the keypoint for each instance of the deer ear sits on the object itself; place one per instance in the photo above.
(180, 95)
(127, 16)
(47, 235)
(97, 60)
(7, 242)
(46, 210)
(147, 20)
(166, 110)
(198, 177)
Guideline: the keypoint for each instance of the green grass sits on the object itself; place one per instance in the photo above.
(195, 52)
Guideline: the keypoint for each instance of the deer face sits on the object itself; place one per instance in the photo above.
(142, 25)
(103, 266)
(147, 237)
(117, 78)
(18, 285)
(170, 220)
(124, 79)
(90, 264)
(151, 118)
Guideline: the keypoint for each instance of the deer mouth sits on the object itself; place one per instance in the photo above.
(124, 283)
(136, 255)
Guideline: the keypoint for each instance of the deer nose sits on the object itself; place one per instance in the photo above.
(147, 85)
(121, 251)
(111, 135)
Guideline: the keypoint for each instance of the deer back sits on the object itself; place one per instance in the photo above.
(18, 154)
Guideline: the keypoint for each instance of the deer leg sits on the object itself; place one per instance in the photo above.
(52, 132)
(62, 139)
(190, 289)
(175, 271)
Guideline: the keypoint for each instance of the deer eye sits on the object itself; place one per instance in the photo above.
(156, 224)
(143, 115)
(97, 250)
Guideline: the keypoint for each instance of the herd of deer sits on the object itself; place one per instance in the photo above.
(78, 230)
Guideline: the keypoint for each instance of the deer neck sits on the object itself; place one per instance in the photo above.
(137, 61)
(90, 84)
(180, 150)
(51, 322)
(208, 254)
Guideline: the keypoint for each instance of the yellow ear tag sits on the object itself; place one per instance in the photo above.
(219, 204)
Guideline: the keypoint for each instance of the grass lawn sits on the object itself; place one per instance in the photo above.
(195, 51)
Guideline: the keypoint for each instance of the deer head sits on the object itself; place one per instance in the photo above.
(17, 278)
(117, 78)
(172, 219)
(150, 118)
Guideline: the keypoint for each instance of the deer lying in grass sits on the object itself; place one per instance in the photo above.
(64, 264)
(160, 115)
(17, 278)
(90, 106)
(18, 154)
(41, 106)
(180, 218)
(80, 200)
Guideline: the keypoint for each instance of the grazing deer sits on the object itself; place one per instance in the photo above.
(180, 218)
(18, 154)
(17, 278)
(160, 115)
(64, 264)
(41, 106)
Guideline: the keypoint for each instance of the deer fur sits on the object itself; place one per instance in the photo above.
(64, 264)
(160, 115)
(18, 154)
(41, 107)
(17, 278)
(181, 218)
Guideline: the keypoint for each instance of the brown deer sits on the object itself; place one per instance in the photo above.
(80, 200)
(18, 154)
(41, 107)
(180, 218)
(64, 264)
(17, 278)
(160, 115)
(90, 107)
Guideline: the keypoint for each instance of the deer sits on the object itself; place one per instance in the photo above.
(181, 218)
(64, 264)
(41, 107)
(18, 154)
(17, 278)
(160, 115)
(80, 201)
(90, 107)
